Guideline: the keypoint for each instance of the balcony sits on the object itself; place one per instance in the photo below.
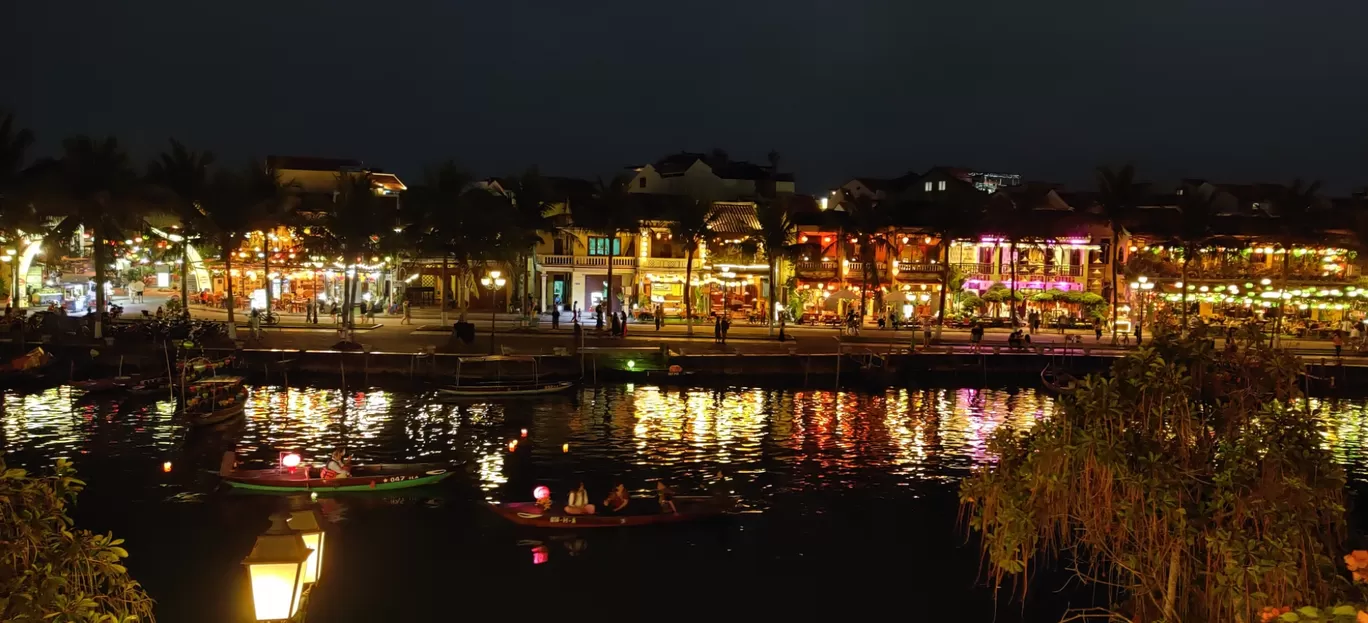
(664, 263)
(817, 270)
(1025, 272)
(586, 261)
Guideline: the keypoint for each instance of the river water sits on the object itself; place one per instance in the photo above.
(849, 499)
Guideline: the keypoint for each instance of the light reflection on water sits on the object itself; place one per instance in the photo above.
(764, 441)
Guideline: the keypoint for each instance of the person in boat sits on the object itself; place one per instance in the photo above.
(578, 503)
(338, 466)
(617, 500)
(666, 495)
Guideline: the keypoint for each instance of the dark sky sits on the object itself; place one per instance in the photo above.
(1237, 90)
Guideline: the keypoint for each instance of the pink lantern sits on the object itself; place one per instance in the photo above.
(541, 492)
(290, 460)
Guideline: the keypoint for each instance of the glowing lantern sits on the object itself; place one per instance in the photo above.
(541, 492)
(309, 523)
(565, 447)
(512, 445)
(276, 566)
(540, 555)
(524, 432)
(166, 467)
(290, 460)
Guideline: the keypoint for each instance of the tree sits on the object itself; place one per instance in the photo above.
(532, 201)
(182, 178)
(776, 236)
(960, 215)
(1117, 196)
(52, 571)
(869, 223)
(348, 228)
(1194, 229)
(691, 222)
(94, 185)
(611, 212)
(14, 145)
(238, 202)
(1193, 485)
(1295, 207)
(438, 220)
(16, 215)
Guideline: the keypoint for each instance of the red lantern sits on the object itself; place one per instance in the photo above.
(541, 492)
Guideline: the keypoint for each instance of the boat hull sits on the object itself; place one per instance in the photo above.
(494, 391)
(218, 417)
(690, 509)
(369, 478)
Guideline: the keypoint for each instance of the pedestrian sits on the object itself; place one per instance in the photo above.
(1097, 328)
(612, 324)
(254, 322)
(574, 311)
(1338, 341)
(555, 315)
(624, 324)
(598, 317)
(717, 329)
(308, 310)
(726, 326)
(976, 337)
(1138, 337)
(782, 322)
(334, 311)
(408, 313)
(659, 316)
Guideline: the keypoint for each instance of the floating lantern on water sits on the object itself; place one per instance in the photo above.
(166, 467)
(512, 445)
(541, 492)
(524, 432)
(565, 447)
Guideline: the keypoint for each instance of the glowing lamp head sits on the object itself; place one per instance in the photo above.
(524, 432)
(166, 467)
(541, 492)
(276, 567)
(290, 460)
(631, 364)
(309, 523)
(565, 447)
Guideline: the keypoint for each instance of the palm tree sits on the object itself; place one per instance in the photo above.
(532, 201)
(239, 202)
(95, 186)
(611, 212)
(870, 224)
(182, 178)
(1194, 229)
(437, 215)
(1294, 205)
(776, 236)
(1011, 222)
(958, 216)
(349, 229)
(15, 214)
(1117, 196)
(691, 225)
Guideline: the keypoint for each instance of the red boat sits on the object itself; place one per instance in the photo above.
(641, 512)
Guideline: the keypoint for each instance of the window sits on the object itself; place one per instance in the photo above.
(928, 187)
(940, 185)
(599, 246)
(641, 182)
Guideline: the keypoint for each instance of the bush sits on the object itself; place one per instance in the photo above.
(51, 571)
(1192, 485)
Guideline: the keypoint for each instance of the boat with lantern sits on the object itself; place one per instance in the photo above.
(215, 400)
(640, 512)
(492, 378)
(292, 476)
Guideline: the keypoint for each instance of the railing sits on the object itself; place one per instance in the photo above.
(587, 261)
(821, 269)
(664, 263)
(908, 267)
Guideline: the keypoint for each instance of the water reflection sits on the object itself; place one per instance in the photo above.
(765, 442)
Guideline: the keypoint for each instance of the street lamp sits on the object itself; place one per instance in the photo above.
(309, 523)
(493, 281)
(276, 565)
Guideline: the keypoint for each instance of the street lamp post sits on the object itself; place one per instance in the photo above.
(11, 257)
(493, 281)
(276, 566)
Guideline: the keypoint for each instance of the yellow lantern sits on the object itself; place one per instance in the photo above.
(276, 565)
(308, 523)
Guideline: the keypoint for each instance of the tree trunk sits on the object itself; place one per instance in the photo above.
(945, 284)
(228, 279)
(1115, 287)
(348, 285)
(688, 288)
(1187, 256)
(445, 289)
(185, 268)
(773, 315)
(1282, 302)
(97, 238)
(611, 243)
(1013, 260)
(266, 275)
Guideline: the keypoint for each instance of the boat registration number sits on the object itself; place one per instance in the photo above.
(398, 478)
(562, 520)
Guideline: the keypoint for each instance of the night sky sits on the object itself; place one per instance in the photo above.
(1235, 90)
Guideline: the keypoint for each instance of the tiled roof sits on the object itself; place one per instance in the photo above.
(735, 218)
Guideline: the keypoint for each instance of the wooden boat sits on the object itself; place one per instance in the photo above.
(223, 398)
(150, 388)
(1057, 380)
(498, 382)
(493, 390)
(378, 477)
(33, 369)
(641, 512)
(100, 386)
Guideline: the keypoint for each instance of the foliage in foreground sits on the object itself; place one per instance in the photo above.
(1193, 485)
(51, 571)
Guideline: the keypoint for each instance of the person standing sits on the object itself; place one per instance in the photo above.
(726, 326)
(254, 323)
(623, 332)
(976, 336)
(408, 313)
(1338, 341)
(598, 317)
(308, 310)
(659, 316)
(555, 315)
(717, 329)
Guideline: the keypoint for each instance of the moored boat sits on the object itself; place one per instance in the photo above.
(109, 384)
(378, 477)
(215, 400)
(504, 389)
(645, 513)
(1057, 380)
(493, 379)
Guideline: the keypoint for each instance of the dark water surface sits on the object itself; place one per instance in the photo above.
(849, 500)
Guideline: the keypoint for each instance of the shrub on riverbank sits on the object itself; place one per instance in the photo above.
(51, 571)
(1192, 485)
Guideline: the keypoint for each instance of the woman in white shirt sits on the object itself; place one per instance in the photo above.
(578, 503)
